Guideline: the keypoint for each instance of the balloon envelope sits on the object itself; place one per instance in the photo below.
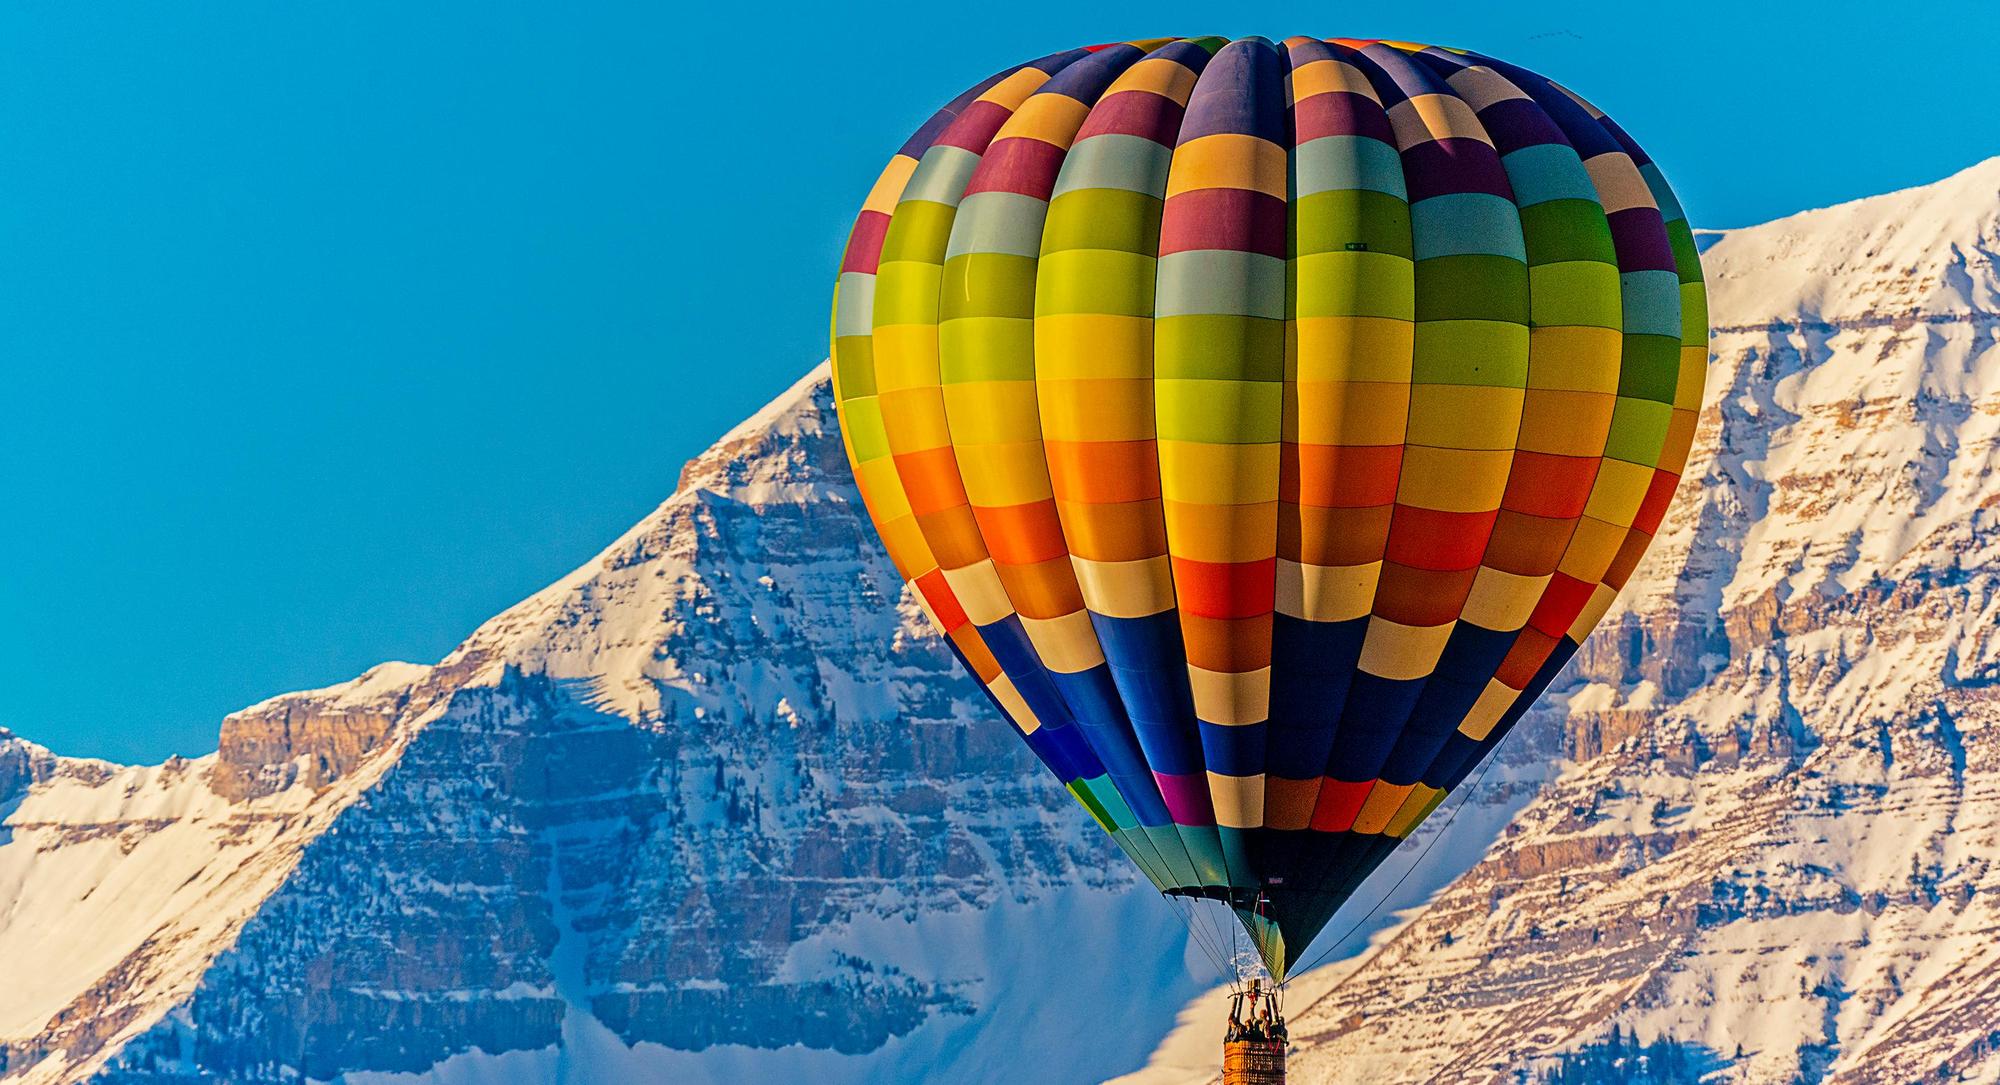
(1265, 425)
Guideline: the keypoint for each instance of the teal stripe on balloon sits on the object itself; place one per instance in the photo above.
(1338, 163)
(1116, 160)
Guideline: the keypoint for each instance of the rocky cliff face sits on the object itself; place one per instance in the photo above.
(1774, 858)
(22, 765)
(311, 740)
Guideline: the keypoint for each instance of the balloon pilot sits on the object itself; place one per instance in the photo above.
(1253, 1047)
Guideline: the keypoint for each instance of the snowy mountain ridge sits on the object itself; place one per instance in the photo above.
(1922, 254)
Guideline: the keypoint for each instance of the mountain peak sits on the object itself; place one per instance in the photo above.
(1921, 253)
(607, 622)
(759, 461)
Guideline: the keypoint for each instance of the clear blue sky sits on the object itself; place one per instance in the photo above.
(332, 329)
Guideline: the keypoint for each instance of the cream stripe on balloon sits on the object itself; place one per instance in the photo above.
(1067, 644)
(1326, 593)
(1619, 186)
(1231, 698)
(1126, 589)
(1502, 601)
(1429, 117)
(1494, 701)
(1239, 800)
(1481, 87)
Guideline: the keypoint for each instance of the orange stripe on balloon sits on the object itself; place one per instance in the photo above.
(930, 476)
(1422, 597)
(1531, 649)
(1527, 545)
(1339, 476)
(1021, 534)
(977, 655)
(1104, 471)
(1234, 645)
(1319, 536)
(1045, 589)
(1628, 557)
(1125, 531)
(953, 535)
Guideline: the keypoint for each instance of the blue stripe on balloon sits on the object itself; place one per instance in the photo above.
(1233, 750)
(1441, 707)
(1312, 664)
(1370, 723)
(1093, 699)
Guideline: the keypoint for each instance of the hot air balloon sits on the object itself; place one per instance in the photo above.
(1265, 425)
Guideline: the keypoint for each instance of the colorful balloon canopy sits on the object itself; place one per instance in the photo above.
(1265, 425)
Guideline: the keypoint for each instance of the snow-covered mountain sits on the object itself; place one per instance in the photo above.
(712, 807)
(717, 807)
(1776, 856)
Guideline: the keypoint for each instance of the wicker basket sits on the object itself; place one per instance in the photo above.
(1253, 1062)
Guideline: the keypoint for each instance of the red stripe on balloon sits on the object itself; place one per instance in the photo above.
(1659, 495)
(1339, 804)
(1236, 219)
(1561, 602)
(1241, 589)
(1134, 113)
(1439, 541)
(864, 243)
(1019, 164)
(1542, 484)
(943, 602)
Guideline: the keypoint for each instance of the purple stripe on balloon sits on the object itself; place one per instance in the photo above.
(1185, 53)
(1300, 53)
(1386, 89)
(1086, 80)
(1631, 147)
(1640, 236)
(1588, 137)
(1056, 62)
(1440, 167)
(1410, 79)
(1242, 91)
(921, 140)
(1515, 123)
(1443, 61)
(1187, 798)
